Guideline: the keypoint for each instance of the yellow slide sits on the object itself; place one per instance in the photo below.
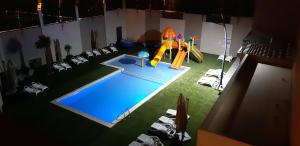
(197, 53)
(179, 59)
(159, 54)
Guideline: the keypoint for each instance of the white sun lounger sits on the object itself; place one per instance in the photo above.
(39, 86)
(149, 140)
(227, 58)
(96, 52)
(113, 48)
(76, 61)
(214, 73)
(82, 59)
(167, 120)
(209, 81)
(164, 128)
(171, 113)
(135, 143)
(58, 67)
(89, 53)
(105, 51)
(32, 90)
(66, 65)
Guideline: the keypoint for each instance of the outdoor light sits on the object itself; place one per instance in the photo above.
(39, 6)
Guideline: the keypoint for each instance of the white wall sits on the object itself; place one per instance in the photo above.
(27, 38)
(212, 40)
(135, 24)
(97, 24)
(114, 19)
(66, 33)
(177, 24)
(153, 20)
(241, 27)
(193, 26)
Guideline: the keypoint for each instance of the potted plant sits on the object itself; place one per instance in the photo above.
(44, 43)
(68, 50)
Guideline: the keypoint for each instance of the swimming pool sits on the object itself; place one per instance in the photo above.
(113, 97)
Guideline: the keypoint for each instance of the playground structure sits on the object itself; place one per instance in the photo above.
(185, 47)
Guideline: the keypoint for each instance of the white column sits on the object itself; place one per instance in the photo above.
(105, 22)
(41, 21)
(77, 13)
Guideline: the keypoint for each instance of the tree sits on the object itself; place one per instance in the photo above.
(44, 43)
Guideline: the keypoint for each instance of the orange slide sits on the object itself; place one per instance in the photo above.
(159, 54)
(179, 59)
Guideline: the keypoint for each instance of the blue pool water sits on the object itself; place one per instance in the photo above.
(109, 98)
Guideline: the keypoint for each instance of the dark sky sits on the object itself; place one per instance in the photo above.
(27, 9)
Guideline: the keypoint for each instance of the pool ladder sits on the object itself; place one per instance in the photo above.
(128, 113)
(124, 115)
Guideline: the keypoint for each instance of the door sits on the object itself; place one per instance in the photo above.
(119, 33)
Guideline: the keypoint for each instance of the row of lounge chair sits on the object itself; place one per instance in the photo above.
(211, 78)
(104, 50)
(61, 66)
(80, 59)
(35, 88)
(227, 58)
(166, 125)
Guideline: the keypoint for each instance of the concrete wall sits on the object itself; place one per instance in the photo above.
(97, 24)
(241, 27)
(212, 40)
(153, 20)
(114, 19)
(27, 38)
(135, 24)
(193, 26)
(66, 33)
(295, 121)
(177, 24)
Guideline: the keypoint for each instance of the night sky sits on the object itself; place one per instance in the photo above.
(28, 17)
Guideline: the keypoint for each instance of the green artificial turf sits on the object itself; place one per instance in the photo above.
(67, 128)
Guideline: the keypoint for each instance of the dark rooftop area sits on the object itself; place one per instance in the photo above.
(22, 13)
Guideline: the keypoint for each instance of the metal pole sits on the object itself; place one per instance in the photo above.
(225, 50)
